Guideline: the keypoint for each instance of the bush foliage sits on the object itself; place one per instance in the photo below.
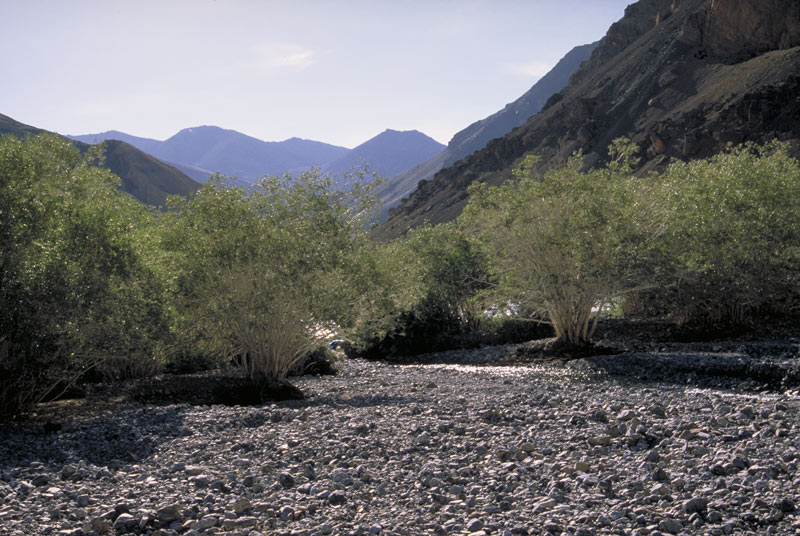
(92, 282)
(74, 288)
(258, 272)
(731, 250)
(568, 243)
(709, 243)
(423, 296)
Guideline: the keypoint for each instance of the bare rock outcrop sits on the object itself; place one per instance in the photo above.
(743, 29)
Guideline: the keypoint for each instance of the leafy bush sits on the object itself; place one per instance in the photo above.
(73, 287)
(424, 293)
(257, 271)
(568, 243)
(732, 246)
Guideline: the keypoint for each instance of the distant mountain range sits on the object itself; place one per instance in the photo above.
(151, 169)
(478, 134)
(681, 79)
(147, 145)
(144, 177)
(209, 149)
(389, 153)
(201, 151)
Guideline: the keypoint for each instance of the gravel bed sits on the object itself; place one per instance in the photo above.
(438, 447)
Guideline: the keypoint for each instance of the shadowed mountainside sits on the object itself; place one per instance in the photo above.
(682, 79)
(479, 133)
(146, 178)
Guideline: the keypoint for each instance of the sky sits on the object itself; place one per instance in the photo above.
(338, 71)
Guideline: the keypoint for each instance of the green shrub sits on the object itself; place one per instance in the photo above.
(732, 246)
(184, 358)
(424, 294)
(568, 243)
(74, 290)
(427, 327)
(257, 271)
(319, 361)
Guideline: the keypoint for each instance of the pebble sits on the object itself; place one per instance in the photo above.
(287, 513)
(474, 525)
(337, 498)
(696, 504)
(168, 513)
(672, 526)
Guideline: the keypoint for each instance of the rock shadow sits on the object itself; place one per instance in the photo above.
(725, 371)
(110, 440)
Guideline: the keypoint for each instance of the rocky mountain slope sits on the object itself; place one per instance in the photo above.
(479, 133)
(682, 78)
(388, 153)
(146, 178)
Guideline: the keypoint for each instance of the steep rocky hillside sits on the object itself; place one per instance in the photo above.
(147, 179)
(402, 184)
(479, 133)
(682, 78)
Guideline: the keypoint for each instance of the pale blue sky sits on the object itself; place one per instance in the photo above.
(338, 71)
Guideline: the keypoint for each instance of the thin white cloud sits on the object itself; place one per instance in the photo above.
(283, 56)
(531, 69)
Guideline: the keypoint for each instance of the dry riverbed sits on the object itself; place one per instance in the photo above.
(667, 439)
